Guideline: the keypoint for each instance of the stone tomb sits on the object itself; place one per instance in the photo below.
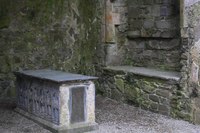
(59, 101)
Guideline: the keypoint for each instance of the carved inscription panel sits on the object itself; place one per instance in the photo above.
(40, 98)
(78, 109)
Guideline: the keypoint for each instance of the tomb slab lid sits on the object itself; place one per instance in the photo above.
(55, 76)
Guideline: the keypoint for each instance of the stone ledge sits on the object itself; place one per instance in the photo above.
(149, 72)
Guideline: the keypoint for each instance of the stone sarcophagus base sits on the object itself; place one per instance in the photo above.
(61, 102)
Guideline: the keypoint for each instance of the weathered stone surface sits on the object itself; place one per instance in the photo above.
(119, 82)
(159, 39)
(148, 24)
(163, 93)
(163, 24)
(149, 15)
(117, 95)
(132, 92)
(154, 107)
(56, 104)
(161, 54)
(78, 106)
(190, 2)
(61, 35)
(164, 101)
(147, 72)
(150, 93)
(154, 98)
(114, 55)
(190, 41)
(164, 45)
(164, 109)
(197, 117)
(134, 34)
(65, 35)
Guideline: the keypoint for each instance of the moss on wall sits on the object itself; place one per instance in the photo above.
(55, 34)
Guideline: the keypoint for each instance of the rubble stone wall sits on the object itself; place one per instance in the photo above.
(56, 34)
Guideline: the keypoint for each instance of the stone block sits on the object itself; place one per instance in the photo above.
(164, 101)
(154, 107)
(116, 19)
(158, 1)
(122, 28)
(164, 59)
(136, 45)
(148, 24)
(197, 103)
(163, 45)
(197, 117)
(194, 76)
(113, 56)
(166, 11)
(132, 92)
(190, 2)
(155, 10)
(132, 2)
(119, 3)
(120, 9)
(197, 31)
(164, 93)
(110, 33)
(119, 82)
(52, 99)
(166, 24)
(147, 86)
(135, 24)
(169, 33)
(134, 34)
(164, 109)
(134, 12)
(117, 95)
(154, 98)
(156, 33)
(4, 64)
(148, 2)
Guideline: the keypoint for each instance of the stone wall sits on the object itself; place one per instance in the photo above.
(154, 18)
(157, 37)
(191, 46)
(63, 35)
(115, 28)
(153, 34)
(153, 52)
(149, 93)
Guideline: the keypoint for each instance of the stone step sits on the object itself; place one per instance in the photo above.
(149, 72)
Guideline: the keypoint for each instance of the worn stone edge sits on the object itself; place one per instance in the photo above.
(75, 128)
(143, 74)
(86, 78)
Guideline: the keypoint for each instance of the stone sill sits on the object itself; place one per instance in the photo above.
(149, 72)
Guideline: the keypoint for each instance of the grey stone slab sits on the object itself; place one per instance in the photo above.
(167, 75)
(190, 2)
(56, 76)
(77, 104)
(134, 34)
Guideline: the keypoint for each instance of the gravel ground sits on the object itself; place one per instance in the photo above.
(113, 117)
